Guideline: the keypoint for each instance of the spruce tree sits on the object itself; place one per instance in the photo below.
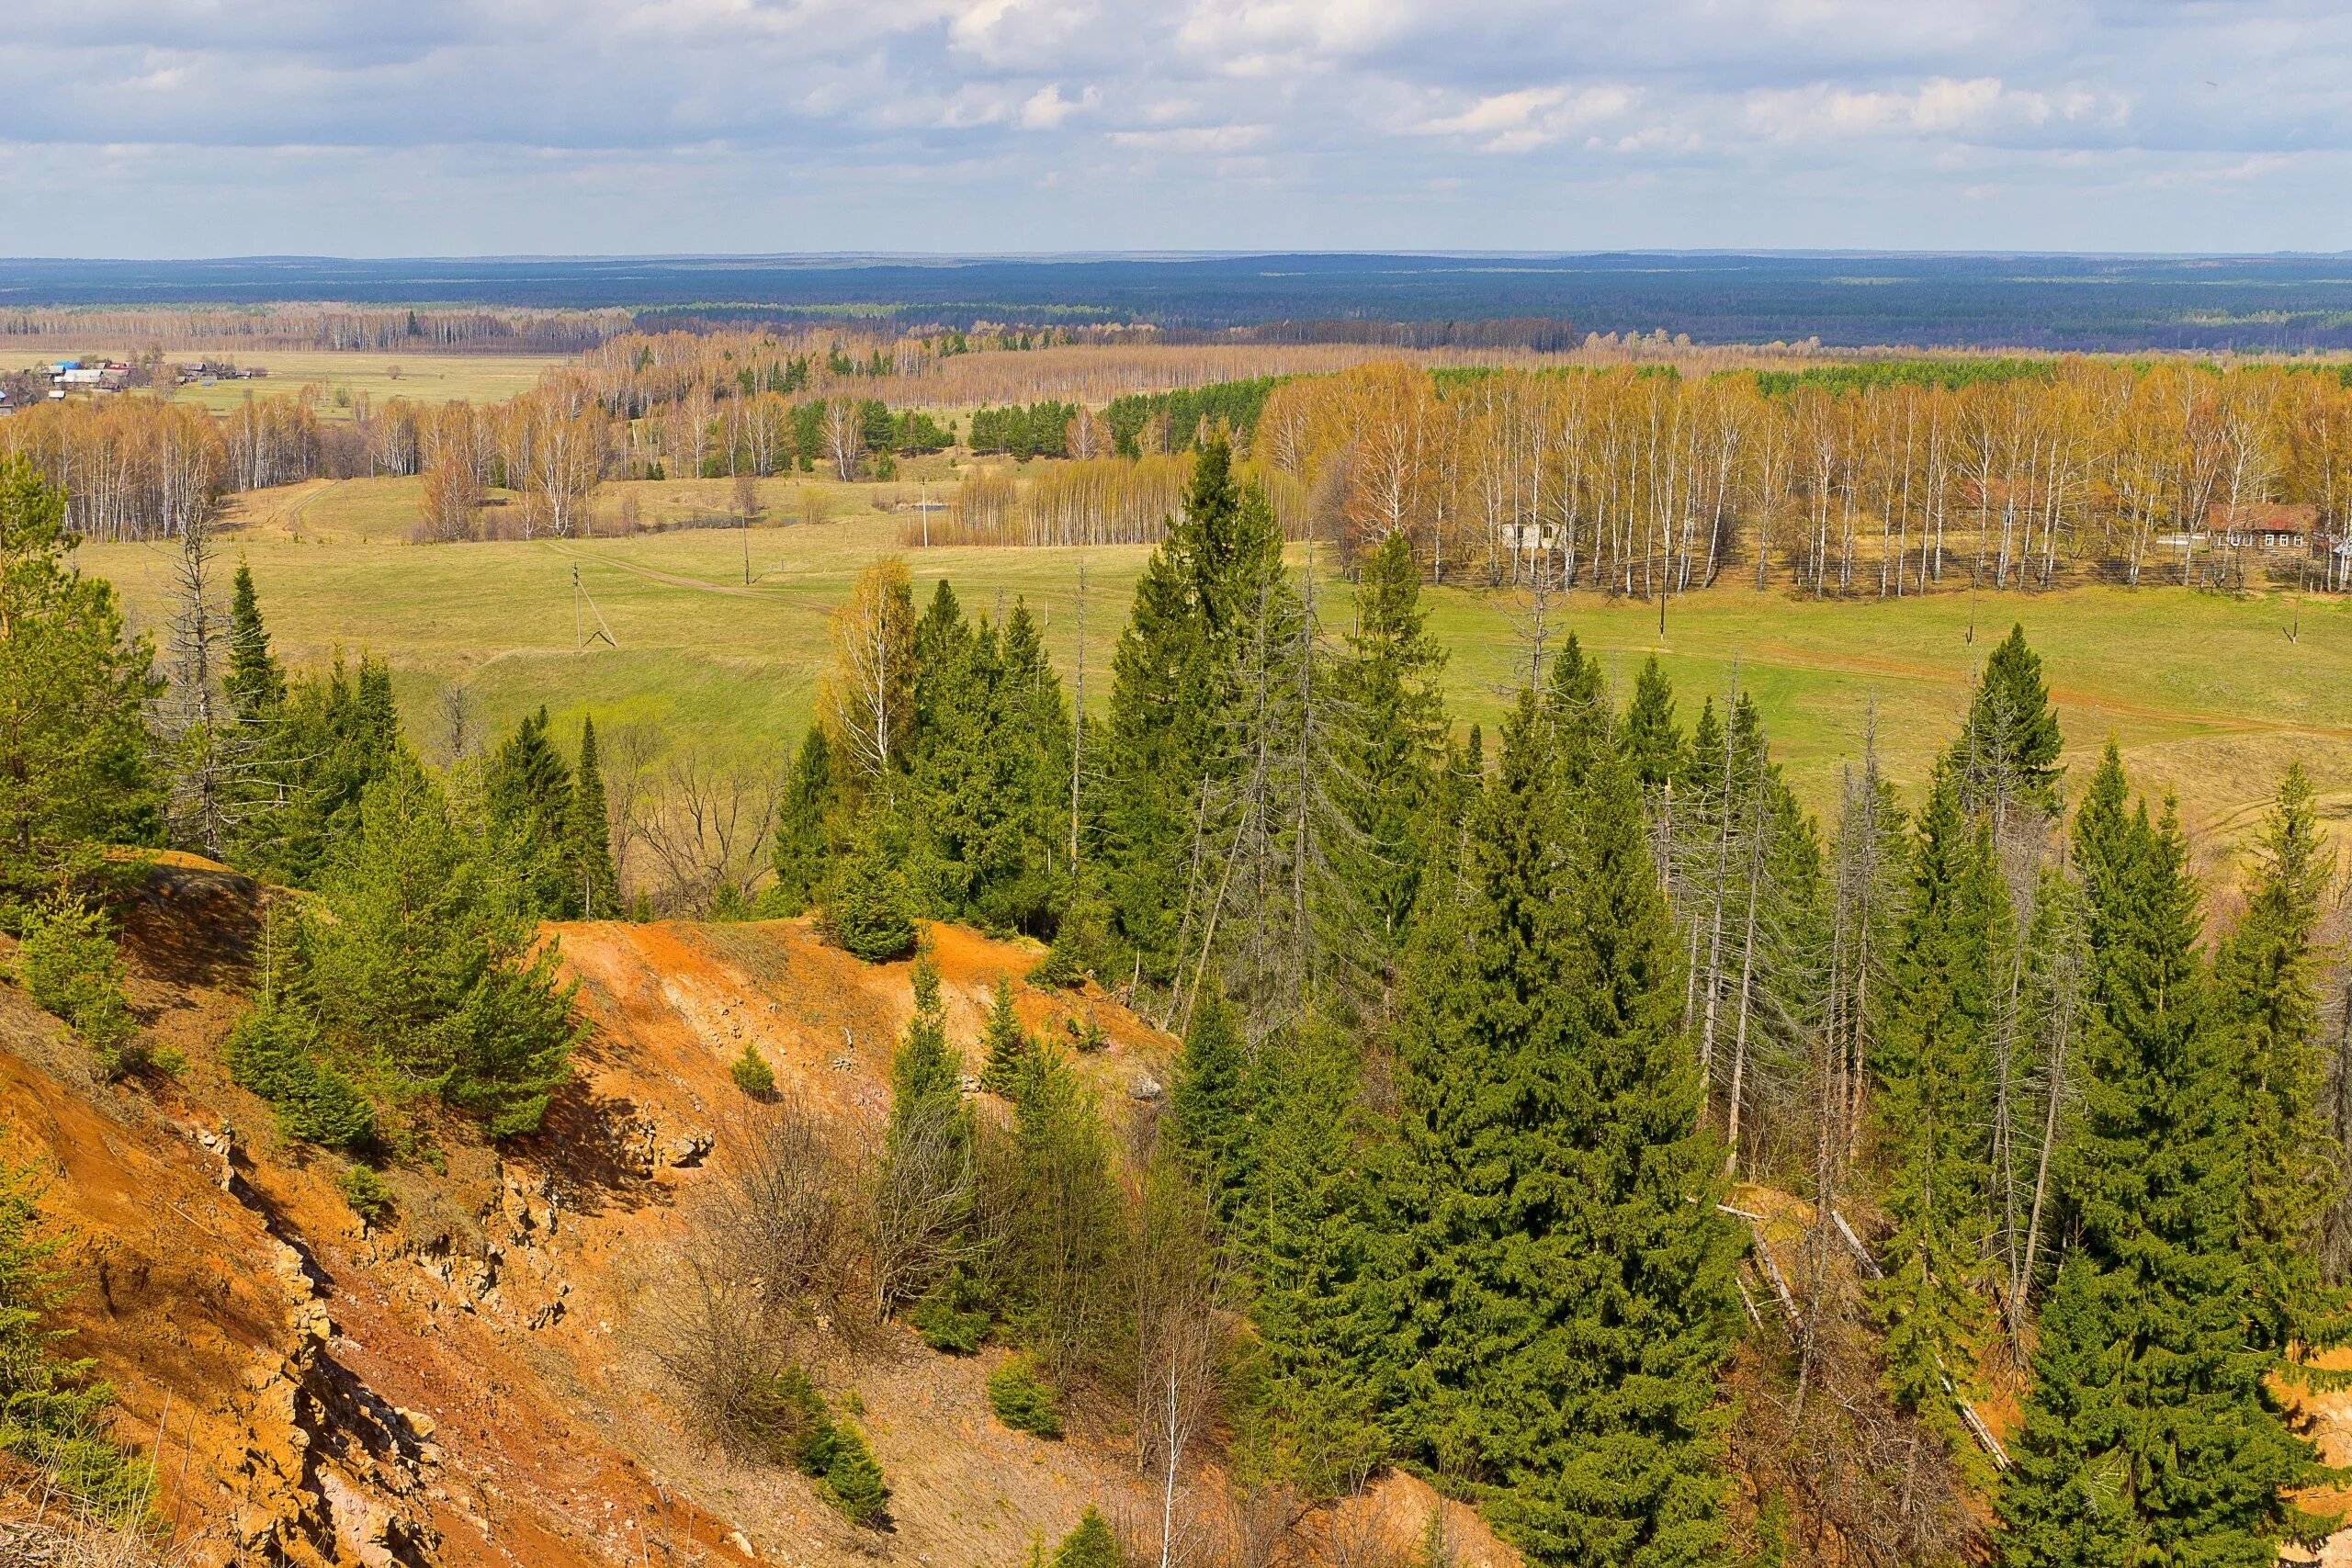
(588, 836)
(1933, 1112)
(1557, 1286)
(1005, 1045)
(2007, 750)
(805, 825)
(926, 1074)
(2151, 1434)
(75, 760)
(255, 684)
(1651, 738)
(2266, 990)
(1206, 579)
(1301, 1233)
(528, 793)
(1209, 1102)
(1576, 700)
(1388, 677)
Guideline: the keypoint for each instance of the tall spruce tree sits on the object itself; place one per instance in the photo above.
(1209, 1104)
(2151, 1435)
(2007, 750)
(1933, 1112)
(1556, 1284)
(1388, 677)
(527, 792)
(1299, 1231)
(1207, 577)
(2265, 986)
(256, 684)
(588, 836)
(805, 825)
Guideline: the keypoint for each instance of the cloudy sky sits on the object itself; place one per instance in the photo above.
(177, 127)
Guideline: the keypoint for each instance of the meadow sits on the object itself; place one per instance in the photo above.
(341, 377)
(2208, 694)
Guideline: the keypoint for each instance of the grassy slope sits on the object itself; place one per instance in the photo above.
(2207, 693)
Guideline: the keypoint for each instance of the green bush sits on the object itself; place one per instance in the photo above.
(1022, 1400)
(789, 1420)
(868, 910)
(953, 1318)
(785, 1419)
(853, 1481)
(274, 1050)
(365, 1192)
(751, 1074)
(1090, 1545)
(69, 964)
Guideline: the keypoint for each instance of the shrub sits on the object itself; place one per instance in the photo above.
(853, 1481)
(868, 911)
(274, 1050)
(365, 1192)
(789, 1417)
(752, 1075)
(1090, 1545)
(1022, 1400)
(953, 1318)
(69, 964)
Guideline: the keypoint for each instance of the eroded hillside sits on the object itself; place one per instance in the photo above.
(472, 1380)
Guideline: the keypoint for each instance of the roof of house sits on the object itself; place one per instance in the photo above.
(2264, 517)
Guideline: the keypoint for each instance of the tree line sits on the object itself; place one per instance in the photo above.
(1851, 483)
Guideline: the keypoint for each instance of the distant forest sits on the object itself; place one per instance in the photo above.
(2265, 304)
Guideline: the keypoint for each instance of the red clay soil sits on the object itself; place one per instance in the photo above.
(474, 1382)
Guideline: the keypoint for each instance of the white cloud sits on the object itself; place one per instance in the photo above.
(1755, 121)
(1529, 118)
(1046, 108)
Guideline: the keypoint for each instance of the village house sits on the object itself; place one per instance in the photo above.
(2262, 525)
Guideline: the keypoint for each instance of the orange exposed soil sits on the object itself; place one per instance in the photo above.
(472, 1383)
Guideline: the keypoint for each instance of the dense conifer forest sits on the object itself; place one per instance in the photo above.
(1563, 1114)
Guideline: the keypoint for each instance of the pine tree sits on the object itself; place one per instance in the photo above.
(424, 970)
(804, 826)
(2151, 1435)
(1558, 1288)
(1932, 1111)
(2266, 990)
(588, 836)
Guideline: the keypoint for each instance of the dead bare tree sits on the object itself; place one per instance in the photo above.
(703, 825)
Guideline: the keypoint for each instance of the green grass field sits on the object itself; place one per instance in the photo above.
(2208, 694)
(420, 377)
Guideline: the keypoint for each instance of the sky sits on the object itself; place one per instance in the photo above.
(363, 128)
